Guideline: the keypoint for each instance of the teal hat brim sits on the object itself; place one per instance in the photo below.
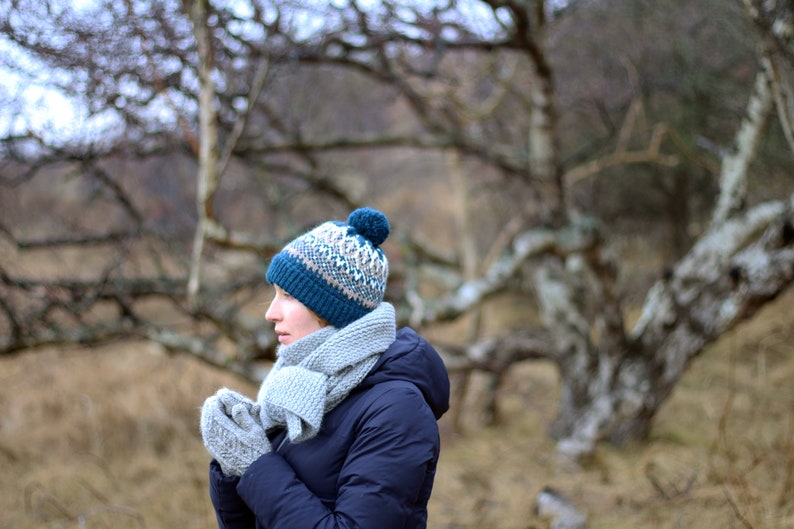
(318, 296)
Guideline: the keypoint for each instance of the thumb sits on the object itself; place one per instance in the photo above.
(242, 417)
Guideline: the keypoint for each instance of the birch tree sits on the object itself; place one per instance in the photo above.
(469, 83)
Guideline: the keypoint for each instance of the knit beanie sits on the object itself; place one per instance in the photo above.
(337, 270)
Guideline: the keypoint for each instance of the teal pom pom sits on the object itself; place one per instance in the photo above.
(370, 223)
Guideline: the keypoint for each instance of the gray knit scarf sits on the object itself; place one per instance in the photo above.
(313, 375)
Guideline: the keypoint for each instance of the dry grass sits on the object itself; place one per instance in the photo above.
(104, 439)
(109, 438)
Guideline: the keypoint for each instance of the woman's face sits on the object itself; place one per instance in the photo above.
(292, 319)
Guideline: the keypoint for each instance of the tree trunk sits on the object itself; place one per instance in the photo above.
(614, 393)
(612, 388)
(207, 177)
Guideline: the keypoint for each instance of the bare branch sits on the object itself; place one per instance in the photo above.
(527, 245)
(623, 156)
(733, 174)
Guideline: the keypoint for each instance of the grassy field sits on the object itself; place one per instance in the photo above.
(109, 438)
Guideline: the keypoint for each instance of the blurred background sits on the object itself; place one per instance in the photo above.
(591, 210)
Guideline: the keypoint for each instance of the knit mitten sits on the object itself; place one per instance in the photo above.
(228, 398)
(235, 440)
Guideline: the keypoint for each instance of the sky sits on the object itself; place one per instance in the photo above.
(29, 102)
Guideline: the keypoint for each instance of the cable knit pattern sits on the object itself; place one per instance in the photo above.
(313, 375)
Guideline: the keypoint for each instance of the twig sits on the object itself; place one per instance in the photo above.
(745, 522)
(132, 513)
(31, 489)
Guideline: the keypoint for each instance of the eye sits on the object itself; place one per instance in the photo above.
(280, 293)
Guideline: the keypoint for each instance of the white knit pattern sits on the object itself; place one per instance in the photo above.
(350, 264)
(313, 375)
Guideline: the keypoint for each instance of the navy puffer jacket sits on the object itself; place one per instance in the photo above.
(371, 466)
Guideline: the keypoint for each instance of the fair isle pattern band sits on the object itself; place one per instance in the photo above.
(348, 263)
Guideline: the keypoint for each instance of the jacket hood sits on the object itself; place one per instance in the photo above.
(411, 358)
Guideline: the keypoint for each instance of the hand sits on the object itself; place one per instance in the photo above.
(235, 440)
(229, 398)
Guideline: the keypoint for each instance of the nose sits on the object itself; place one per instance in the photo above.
(272, 313)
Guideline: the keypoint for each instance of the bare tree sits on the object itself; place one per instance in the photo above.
(220, 85)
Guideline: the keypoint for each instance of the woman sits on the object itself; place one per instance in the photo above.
(343, 432)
